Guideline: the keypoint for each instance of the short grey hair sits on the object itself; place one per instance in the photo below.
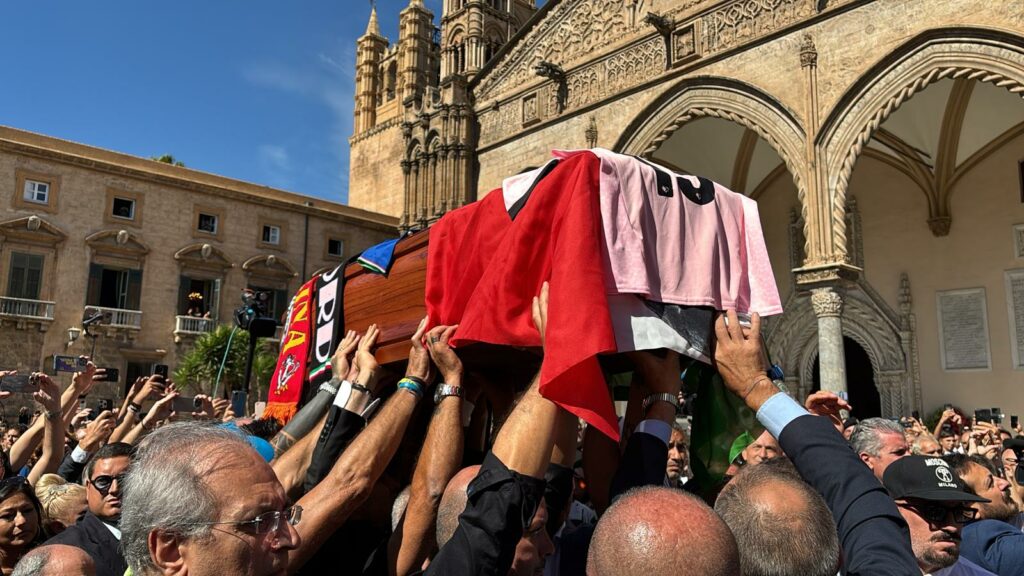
(32, 564)
(867, 435)
(795, 540)
(165, 490)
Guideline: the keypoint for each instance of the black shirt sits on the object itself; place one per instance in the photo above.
(501, 504)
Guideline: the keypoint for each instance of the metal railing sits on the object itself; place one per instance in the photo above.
(193, 325)
(25, 308)
(122, 318)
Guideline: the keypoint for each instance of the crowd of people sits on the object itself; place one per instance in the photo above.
(446, 471)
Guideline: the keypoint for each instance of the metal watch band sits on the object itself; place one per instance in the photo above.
(445, 390)
(663, 396)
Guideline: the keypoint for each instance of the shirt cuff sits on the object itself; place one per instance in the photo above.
(79, 456)
(778, 412)
(657, 428)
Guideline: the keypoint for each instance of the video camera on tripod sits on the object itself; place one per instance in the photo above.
(253, 315)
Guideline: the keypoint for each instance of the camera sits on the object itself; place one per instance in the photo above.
(254, 315)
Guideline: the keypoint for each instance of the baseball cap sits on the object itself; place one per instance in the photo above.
(925, 478)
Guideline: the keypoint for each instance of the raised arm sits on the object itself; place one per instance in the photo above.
(48, 396)
(510, 485)
(311, 416)
(873, 534)
(440, 458)
(331, 502)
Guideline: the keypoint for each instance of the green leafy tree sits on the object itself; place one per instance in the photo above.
(197, 370)
(168, 159)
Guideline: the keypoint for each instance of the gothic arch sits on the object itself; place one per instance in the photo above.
(719, 98)
(976, 54)
(793, 344)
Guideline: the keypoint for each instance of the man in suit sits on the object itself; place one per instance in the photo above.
(97, 531)
(991, 541)
(873, 535)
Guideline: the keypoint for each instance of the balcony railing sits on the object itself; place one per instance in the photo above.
(193, 326)
(24, 308)
(122, 318)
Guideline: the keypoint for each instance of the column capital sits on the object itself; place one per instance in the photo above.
(827, 302)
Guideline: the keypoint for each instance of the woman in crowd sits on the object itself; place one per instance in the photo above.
(62, 502)
(20, 529)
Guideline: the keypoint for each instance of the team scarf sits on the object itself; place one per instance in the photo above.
(290, 374)
(329, 324)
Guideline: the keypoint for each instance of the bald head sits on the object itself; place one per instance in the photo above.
(453, 503)
(782, 526)
(655, 530)
(55, 560)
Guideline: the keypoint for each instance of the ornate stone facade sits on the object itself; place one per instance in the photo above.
(815, 82)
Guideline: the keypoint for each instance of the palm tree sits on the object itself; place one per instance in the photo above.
(197, 370)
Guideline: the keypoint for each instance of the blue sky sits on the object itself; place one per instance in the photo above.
(257, 90)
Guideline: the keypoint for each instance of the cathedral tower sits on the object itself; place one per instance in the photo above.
(370, 48)
(474, 30)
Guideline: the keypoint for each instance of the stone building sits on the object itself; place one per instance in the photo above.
(84, 227)
(883, 141)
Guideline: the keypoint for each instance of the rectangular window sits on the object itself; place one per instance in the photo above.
(207, 223)
(114, 287)
(278, 303)
(26, 277)
(123, 208)
(37, 192)
(271, 234)
(335, 247)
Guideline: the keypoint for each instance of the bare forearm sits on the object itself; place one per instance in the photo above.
(600, 461)
(439, 461)
(331, 502)
(53, 442)
(137, 431)
(128, 423)
(291, 466)
(525, 441)
(26, 445)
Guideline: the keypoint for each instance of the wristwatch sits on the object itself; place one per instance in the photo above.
(445, 390)
(664, 397)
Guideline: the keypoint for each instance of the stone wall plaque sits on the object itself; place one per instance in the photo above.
(963, 329)
(1018, 240)
(1015, 309)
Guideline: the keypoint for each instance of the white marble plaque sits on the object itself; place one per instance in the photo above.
(1015, 314)
(963, 330)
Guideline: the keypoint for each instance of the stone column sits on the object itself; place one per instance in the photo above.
(828, 306)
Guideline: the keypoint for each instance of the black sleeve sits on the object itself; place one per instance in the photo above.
(643, 464)
(341, 427)
(874, 537)
(501, 504)
(558, 485)
(71, 470)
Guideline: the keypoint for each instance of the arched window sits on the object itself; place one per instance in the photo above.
(391, 79)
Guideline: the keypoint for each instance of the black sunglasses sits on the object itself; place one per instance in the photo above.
(103, 483)
(936, 514)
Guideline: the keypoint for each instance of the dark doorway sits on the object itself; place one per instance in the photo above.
(860, 381)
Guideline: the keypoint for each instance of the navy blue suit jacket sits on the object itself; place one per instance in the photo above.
(995, 546)
(874, 536)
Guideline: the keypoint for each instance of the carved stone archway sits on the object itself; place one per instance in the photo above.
(868, 321)
(982, 55)
(714, 97)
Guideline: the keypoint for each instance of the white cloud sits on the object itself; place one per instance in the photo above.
(276, 157)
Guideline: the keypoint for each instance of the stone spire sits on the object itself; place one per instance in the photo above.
(416, 3)
(373, 28)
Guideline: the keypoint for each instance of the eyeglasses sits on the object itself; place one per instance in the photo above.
(103, 483)
(936, 514)
(266, 523)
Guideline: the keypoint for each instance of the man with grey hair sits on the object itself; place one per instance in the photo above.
(879, 442)
(782, 526)
(55, 560)
(199, 500)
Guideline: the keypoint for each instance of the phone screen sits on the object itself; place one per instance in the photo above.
(238, 402)
(19, 384)
(1014, 421)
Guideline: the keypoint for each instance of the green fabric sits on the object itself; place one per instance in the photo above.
(720, 418)
(739, 445)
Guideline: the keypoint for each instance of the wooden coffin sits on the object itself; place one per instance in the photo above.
(396, 304)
